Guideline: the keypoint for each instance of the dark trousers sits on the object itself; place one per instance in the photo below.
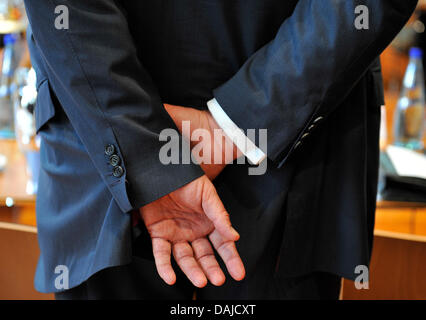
(139, 280)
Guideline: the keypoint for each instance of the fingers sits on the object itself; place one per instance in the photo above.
(215, 211)
(184, 257)
(198, 262)
(162, 252)
(229, 254)
(207, 260)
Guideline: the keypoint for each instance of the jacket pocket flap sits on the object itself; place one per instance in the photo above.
(45, 109)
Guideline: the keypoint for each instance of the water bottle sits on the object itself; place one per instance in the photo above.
(409, 114)
(24, 100)
(6, 79)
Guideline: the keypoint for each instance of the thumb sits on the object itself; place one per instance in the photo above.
(216, 212)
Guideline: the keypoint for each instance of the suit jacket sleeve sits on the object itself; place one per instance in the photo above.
(290, 85)
(93, 70)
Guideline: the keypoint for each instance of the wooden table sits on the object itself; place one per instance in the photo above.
(18, 234)
(398, 265)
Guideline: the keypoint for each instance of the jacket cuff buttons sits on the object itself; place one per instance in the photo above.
(109, 150)
(114, 161)
(305, 135)
(118, 171)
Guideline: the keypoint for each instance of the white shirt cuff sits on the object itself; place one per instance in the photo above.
(237, 136)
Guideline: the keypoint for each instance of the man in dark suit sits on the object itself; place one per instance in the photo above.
(302, 69)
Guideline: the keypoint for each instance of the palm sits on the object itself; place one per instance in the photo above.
(175, 220)
(182, 223)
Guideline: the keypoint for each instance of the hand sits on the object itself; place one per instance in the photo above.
(180, 222)
(220, 149)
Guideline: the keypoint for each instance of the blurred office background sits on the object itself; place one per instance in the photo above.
(398, 269)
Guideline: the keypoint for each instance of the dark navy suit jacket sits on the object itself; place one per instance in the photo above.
(299, 68)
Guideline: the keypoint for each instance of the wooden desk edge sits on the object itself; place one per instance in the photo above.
(399, 235)
(17, 227)
(382, 204)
